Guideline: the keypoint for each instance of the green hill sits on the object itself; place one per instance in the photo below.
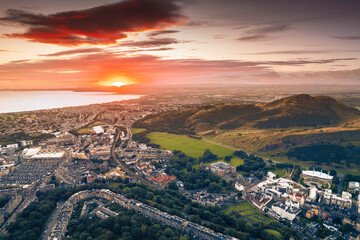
(294, 111)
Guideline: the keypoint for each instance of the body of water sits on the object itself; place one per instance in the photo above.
(19, 101)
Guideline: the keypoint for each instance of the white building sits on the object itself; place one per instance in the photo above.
(313, 194)
(280, 187)
(29, 152)
(271, 176)
(343, 201)
(13, 146)
(318, 174)
(49, 155)
(239, 187)
(354, 187)
(317, 177)
(288, 211)
(98, 129)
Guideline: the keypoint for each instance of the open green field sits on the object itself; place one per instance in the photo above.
(137, 130)
(248, 211)
(274, 233)
(192, 147)
(244, 208)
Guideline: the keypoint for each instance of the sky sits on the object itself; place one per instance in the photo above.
(77, 44)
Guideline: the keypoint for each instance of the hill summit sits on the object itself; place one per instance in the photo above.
(305, 110)
(294, 111)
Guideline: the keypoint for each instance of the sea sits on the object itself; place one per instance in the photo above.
(19, 101)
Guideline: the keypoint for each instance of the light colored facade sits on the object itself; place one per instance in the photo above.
(344, 201)
(221, 168)
(98, 129)
(316, 176)
(288, 211)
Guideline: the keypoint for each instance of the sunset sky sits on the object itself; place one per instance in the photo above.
(73, 44)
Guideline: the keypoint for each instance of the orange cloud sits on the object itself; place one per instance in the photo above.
(100, 25)
(110, 69)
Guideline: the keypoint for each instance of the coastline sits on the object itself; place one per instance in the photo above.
(12, 102)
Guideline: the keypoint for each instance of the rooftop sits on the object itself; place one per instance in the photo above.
(318, 174)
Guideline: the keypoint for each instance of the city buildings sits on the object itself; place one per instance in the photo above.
(344, 201)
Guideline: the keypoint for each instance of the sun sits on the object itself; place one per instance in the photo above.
(116, 81)
(119, 84)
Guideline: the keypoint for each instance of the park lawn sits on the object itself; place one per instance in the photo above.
(248, 211)
(137, 130)
(190, 146)
(244, 208)
(274, 233)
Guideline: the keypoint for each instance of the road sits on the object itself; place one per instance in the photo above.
(53, 220)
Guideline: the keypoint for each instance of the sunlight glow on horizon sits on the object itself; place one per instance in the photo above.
(116, 81)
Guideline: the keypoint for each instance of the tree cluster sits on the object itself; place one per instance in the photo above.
(251, 162)
(326, 154)
(127, 225)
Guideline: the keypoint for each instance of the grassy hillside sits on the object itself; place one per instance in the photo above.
(268, 129)
(295, 111)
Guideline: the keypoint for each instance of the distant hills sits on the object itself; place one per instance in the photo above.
(294, 111)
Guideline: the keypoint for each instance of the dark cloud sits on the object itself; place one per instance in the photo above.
(292, 52)
(342, 77)
(301, 62)
(240, 27)
(164, 32)
(268, 29)
(251, 38)
(156, 49)
(99, 25)
(197, 23)
(150, 43)
(72, 52)
(349, 37)
(138, 50)
(19, 61)
(263, 33)
(3, 50)
(218, 36)
(296, 52)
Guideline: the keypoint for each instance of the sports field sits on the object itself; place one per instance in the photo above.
(190, 146)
